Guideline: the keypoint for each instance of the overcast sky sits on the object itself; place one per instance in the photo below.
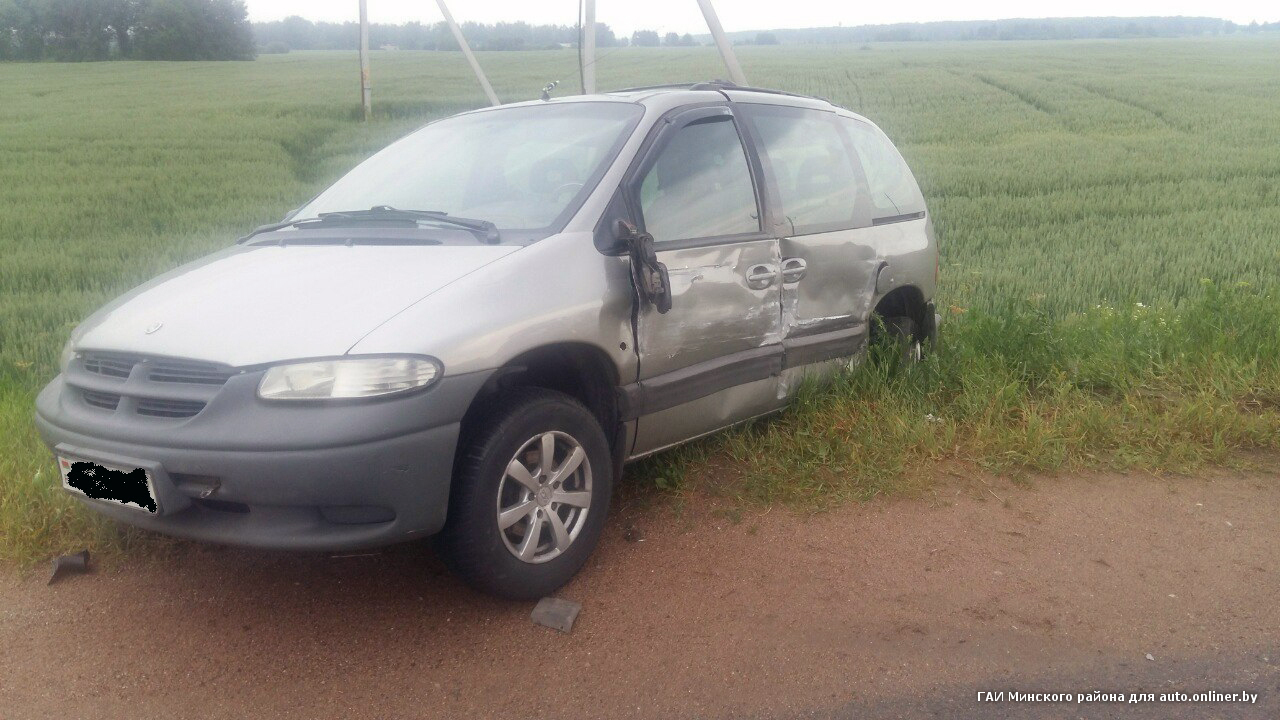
(683, 16)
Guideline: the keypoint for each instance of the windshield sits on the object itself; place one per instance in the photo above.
(520, 168)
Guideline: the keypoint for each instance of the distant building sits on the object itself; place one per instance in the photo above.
(389, 47)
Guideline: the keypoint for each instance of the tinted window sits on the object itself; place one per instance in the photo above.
(700, 186)
(893, 188)
(811, 166)
(519, 167)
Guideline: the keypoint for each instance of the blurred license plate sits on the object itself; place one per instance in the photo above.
(130, 487)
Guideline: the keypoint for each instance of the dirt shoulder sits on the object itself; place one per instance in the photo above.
(901, 608)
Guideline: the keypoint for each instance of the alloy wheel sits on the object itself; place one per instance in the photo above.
(544, 497)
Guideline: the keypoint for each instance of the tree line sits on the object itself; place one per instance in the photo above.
(297, 33)
(80, 30)
(1014, 29)
(83, 30)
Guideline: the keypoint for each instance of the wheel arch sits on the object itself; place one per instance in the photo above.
(580, 370)
(904, 301)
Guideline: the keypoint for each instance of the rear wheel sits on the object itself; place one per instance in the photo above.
(529, 497)
(901, 340)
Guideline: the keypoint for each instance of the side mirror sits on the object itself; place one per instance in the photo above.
(651, 279)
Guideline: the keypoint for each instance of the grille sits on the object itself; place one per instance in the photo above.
(152, 407)
(188, 371)
(150, 376)
(162, 370)
(118, 366)
(105, 401)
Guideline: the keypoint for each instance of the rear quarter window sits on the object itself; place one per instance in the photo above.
(893, 189)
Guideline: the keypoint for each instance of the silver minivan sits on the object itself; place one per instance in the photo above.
(470, 333)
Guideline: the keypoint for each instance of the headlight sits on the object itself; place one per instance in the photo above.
(347, 378)
(68, 354)
(70, 350)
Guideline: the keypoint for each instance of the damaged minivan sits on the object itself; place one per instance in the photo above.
(469, 334)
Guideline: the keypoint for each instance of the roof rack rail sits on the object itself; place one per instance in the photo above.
(720, 85)
(716, 84)
(664, 86)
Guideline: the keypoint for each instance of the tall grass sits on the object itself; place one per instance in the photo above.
(1061, 176)
(1157, 389)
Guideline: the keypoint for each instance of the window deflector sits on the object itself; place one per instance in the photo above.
(672, 126)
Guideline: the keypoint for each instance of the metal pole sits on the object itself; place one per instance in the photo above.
(722, 42)
(366, 88)
(589, 48)
(466, 50)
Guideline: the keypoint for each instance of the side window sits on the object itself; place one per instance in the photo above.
(893, 188)
(811, 165)
(700, 185)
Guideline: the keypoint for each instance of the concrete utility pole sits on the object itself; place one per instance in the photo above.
(589, 48)
(366, 88)
(466, 50)
(722, 42)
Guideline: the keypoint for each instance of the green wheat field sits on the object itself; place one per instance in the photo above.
(1108, 212)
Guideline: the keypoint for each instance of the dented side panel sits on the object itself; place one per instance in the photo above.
(910, 256)
(719, 410)
(839, 281)
(715, 311)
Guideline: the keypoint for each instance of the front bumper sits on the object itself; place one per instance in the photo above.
(296, 476)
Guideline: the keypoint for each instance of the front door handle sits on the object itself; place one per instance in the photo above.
(760, 277)
(793, 270)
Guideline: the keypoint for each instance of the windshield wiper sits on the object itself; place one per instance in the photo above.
(271, 227)
(483, 229)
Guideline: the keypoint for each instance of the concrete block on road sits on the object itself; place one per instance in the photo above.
(556, 613)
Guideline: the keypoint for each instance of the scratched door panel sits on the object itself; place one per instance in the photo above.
(672, 426)
(707, 361)
(829, 258)
(838, 281)
(714, 310)
(714, 313)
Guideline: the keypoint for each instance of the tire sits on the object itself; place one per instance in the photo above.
(901, 332)
(488, 490)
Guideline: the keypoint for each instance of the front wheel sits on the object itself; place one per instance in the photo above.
(529, 496)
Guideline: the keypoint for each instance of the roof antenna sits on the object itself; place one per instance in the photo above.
(546, 91)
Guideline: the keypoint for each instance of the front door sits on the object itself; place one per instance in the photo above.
(713, 359)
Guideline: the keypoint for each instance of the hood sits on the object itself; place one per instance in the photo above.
(250, 305)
